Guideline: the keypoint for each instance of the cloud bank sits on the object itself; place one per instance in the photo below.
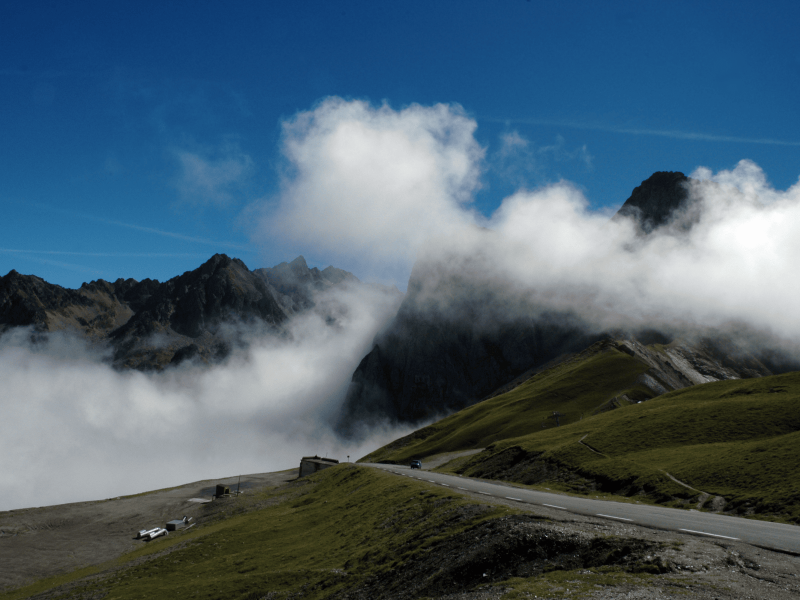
(396, 185)
(75, 429)
(374, 183)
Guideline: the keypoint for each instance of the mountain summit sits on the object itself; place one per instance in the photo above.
(657, 201)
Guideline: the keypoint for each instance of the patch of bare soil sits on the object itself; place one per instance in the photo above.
(42, 542)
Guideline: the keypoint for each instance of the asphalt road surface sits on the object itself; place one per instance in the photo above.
(773, 536)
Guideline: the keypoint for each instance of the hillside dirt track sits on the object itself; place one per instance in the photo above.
(41, 542)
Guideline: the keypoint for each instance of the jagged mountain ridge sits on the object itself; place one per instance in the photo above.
(149, 325)
(290, 282)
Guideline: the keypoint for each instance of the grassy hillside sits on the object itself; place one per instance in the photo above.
(736, 440)
(356, 532)
(732, 446)
(591, 381)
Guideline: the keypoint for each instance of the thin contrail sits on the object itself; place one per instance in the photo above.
(106, 254)
(161, 232)
(177, 236)
(678, 135)
(63, 265)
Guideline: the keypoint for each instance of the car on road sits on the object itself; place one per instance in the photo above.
(415, 464)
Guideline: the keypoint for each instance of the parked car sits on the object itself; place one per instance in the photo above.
(151, 534)
(415, 464)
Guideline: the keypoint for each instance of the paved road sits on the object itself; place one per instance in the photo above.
(774, 536)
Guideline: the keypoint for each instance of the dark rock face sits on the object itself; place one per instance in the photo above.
(196, 305)
(200, 315)
(464, 367)
(222, 289)
(95, 309)
(454, 340)
(25, 300)
(657, 201)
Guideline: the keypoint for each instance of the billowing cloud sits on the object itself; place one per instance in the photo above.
(374, 182)
(736, 265)
(395, 185)
(75, 429)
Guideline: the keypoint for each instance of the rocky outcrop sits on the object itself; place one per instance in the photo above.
(454, 340)
(660, 200)
(294, 285)
(95, 309)
(183, 316)
(683, 363)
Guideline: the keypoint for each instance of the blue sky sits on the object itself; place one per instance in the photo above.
(136, 138)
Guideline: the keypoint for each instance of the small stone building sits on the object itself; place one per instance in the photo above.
(312, 464)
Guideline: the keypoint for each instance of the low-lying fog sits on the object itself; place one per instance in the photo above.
(75, 429)
(378, 188)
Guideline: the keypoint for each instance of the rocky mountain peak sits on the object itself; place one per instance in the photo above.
(294, 284)
(657, 200)
(299, 264)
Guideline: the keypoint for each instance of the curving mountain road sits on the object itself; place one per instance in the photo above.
(773, 536)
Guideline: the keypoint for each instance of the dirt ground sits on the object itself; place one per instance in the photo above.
(41, 542)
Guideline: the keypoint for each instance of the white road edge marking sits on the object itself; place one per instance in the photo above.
(727, 537)
(711, 534)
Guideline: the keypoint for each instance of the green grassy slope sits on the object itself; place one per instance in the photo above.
(357, 519)
(734, 445)
(736, 439)
(577, 388)
(356, 532)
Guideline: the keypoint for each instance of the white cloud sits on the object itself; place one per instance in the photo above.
(373, 182)
(212, 179)
(511, 142)
(380, 186)
(524, 164)
(737, 263)
(387, 185)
